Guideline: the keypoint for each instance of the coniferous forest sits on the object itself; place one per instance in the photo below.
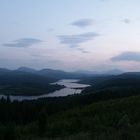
(107, 110)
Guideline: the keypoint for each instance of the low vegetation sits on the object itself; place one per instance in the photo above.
(109, 119)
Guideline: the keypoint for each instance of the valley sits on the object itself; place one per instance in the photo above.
(94, 106)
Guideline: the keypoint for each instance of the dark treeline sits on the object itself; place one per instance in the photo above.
(27, 111)
(95, 118)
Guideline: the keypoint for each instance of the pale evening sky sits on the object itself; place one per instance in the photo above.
(70, 34)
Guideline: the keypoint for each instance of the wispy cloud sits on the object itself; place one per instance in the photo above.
(127, 56)
(82, 23)
(23, 43)
(83, 51)
(50, 29)
(76, 40)
(54, 61)
(126, 21)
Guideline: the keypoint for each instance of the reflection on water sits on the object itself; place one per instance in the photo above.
(71, 83)
(71, 87)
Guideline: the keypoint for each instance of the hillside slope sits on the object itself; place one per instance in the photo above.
(24, 83)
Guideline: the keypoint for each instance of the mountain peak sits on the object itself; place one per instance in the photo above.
(26, 69)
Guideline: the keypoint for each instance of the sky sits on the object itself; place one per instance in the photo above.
(95, 35)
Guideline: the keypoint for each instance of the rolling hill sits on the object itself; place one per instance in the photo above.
(24, 83)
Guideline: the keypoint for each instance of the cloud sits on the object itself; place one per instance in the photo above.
(50, 29)
(127, 56)
(82, 23)
(83, 51)
(54, 61)
(76, 40)
(126, 21)
(23, 43)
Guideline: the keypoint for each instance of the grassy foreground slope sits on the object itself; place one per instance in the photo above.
(117, 119)
(114, 119)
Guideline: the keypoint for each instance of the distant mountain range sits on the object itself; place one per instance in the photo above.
(109, 72)
(26, 69)
(28, 81)
(4, 71)
(60, 73)
(113, 72)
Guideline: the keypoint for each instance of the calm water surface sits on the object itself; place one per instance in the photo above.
(71, 87)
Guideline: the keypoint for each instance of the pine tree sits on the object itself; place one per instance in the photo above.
(42, 123)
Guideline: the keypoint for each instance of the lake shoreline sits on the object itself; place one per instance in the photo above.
(71, 87)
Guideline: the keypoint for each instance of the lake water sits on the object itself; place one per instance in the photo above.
(71, 87)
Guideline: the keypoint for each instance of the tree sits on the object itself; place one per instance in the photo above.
(10, 132)
(8, 99)
(42, 122)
